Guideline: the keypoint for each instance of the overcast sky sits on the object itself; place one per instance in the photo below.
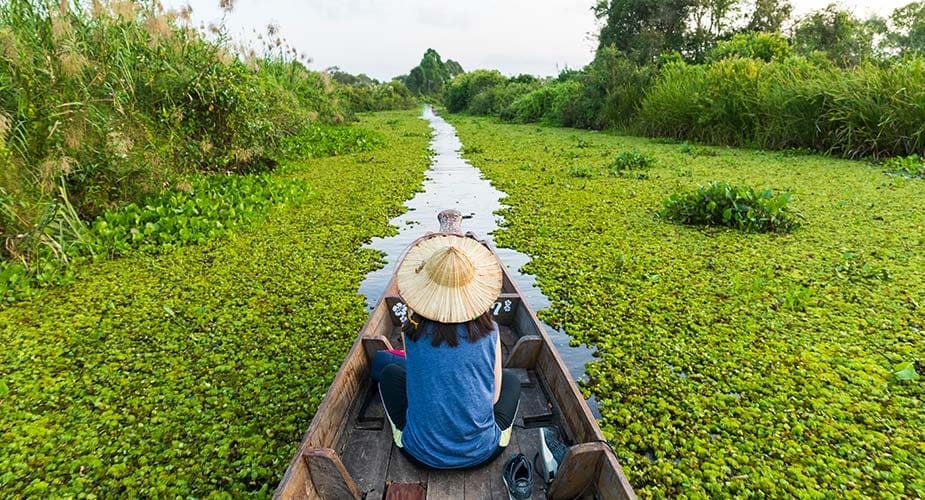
(386, 38)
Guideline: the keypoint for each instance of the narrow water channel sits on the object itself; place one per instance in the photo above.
(451, 182)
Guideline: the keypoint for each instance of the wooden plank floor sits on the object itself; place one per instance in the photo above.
(374, 461)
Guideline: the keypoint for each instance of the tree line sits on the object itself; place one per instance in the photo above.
(731, 72)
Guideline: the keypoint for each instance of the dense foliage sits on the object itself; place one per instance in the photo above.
(429, 76)
(195, 372)
(195, 212)
(106, 103)
(730, 363)
(868, 110)
(722, 72)
(738, 207)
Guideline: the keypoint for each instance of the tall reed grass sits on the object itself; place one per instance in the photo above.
(867, 111)
(106, 102)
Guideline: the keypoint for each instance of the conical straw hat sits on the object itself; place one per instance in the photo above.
(449, 278)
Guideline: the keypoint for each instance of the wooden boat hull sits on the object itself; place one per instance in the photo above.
(347, 451)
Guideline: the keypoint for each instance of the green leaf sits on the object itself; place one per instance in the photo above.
(905, 371)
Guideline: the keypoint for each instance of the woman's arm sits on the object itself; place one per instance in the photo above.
(497, 368)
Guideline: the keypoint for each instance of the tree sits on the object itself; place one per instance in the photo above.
(907, 32)
(453, 68)
(344, 78)
(769, 15)
(643, 29)
(428, 77)
(844, 38)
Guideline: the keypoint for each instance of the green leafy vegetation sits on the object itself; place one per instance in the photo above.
(722, 72)
(909, 166)
(763, 46)
(738, 207)
(202, 210)
(194, 371)
(195, 212)
(429, 76)
(581, 172)
(730, 363)
(104, 104)
(320, 140)
(364, 93)
(628, 161)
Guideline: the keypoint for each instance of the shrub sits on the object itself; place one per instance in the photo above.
(545, 104)
(496, 101)
(377, 96)
(796, 103)
(459, 92)
(613, 88)
(738, 207)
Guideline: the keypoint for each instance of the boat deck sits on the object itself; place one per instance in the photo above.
(376, 463)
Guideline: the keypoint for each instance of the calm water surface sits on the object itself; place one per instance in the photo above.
(451, 182)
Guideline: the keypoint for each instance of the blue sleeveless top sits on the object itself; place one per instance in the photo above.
(450, 422)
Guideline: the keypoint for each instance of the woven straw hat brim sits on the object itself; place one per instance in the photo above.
(449, 304)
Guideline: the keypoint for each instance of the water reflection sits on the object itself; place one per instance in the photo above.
(451, 182)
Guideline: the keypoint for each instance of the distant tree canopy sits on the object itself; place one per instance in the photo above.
(769, 15)
(655, 31)
(344, 78)
(646, 29)
(428, 77)
(907, 35)
(844, 38)
(643, 29)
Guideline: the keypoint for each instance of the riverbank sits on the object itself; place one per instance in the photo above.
(198, 370)
(730, 363)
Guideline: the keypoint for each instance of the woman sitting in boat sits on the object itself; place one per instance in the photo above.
(451, 406)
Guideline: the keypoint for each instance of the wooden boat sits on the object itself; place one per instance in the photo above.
(348, 450)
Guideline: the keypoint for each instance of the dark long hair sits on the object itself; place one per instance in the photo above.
(418, 326)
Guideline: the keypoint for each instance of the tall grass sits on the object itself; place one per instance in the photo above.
(867, 111)
(107, 102)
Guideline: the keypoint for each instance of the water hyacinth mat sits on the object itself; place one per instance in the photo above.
(731, 363)
(195, 371)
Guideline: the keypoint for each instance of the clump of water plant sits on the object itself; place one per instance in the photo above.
(697, 150)
(906, 166)
(630, 161)
(739, 207)
(581, 172)
(195, 212)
